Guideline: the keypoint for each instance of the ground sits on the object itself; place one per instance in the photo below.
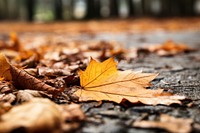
(179, 74)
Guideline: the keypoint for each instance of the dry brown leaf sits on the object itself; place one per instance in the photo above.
(52, 72)
(6, 87)
(22, 79)
(169, 48)
(7, 98)
(169, 123)
(12, 44)
(27, 95)
(22, 53)
(30, 62)
(102, 81)
(32, 71)
(15, 41)
(10, 53)
(40, 115)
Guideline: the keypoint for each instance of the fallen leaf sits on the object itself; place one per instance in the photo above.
(8, 98)
(32, 71)
(102, 81)
(4, 68)
(169, 123)
(6, 87)
(10, 53)
(41, 115)
(30, 62)
(52, 72)
(169, 48)
(22, 79)
(15, 41)
(12, 44)
(27, 95)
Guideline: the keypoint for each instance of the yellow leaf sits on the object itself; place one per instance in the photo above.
(97, 72)
(4, 68)
(102, 81)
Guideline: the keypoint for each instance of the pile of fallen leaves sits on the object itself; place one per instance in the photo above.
(40, 86)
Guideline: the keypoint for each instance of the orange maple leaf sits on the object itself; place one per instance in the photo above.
(102, 81)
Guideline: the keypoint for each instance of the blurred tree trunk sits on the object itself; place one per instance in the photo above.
(175, 7)
(30, 9)
(131, 11)
(138, 8)
(13, 9)
(3, 9)
(113, 8)
(189, 7)
(93, 10)
(58, 9)
(165, 8)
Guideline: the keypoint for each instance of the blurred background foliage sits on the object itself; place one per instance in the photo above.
(65, 10)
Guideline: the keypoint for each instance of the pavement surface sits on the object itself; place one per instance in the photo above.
(179, 74)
